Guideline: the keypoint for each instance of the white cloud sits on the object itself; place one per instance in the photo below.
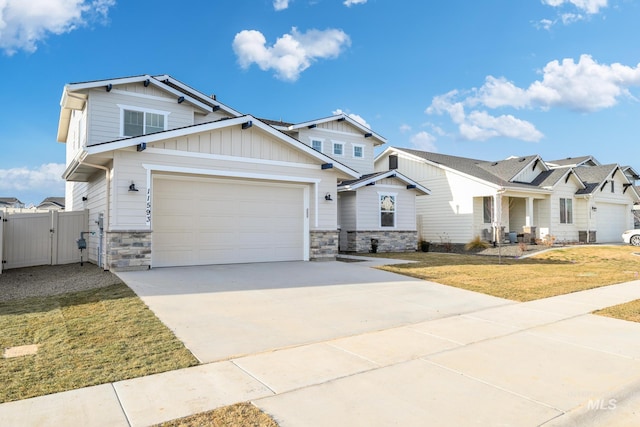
(25, 23)
(404, 128)
(588, 6)
(424, 141)
(584, 86)
(280, 4)
(350, 3)
(292, 53)
(355, 117)
(480, 125)
(46, 178)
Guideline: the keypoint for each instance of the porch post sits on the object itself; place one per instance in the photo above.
(528, 220)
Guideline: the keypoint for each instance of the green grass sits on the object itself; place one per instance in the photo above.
(84, 338)
(543, 275)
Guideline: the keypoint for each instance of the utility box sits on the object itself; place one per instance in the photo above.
(82, 243)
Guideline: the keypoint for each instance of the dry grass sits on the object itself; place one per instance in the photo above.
(84, 338)
(628, 311)
(543, 275)
(238, 415)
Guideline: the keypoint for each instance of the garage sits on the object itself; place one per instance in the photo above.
(204, 220)
(612, 222)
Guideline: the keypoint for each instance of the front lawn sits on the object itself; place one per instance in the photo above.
(82, 339)
(546, 274)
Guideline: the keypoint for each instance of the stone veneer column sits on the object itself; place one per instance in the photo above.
(128, 250)
(324, 245)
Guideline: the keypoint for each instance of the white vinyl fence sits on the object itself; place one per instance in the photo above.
(48, 238)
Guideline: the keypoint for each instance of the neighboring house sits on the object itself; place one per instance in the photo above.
(10, 202)
(171, 176)
(52, 204)
(573, 200)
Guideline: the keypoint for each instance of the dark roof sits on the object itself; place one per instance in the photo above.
(498, 173)
(276, 123)
(9, 200)
(594, 176)
(58, 201)
(362, 178)
(571, 161)
(549, 178)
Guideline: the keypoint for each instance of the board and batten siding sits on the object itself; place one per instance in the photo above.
(253, 152)
(104, 113)
(346, 134)
(368, 206)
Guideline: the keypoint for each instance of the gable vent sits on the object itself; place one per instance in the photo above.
(393, 161)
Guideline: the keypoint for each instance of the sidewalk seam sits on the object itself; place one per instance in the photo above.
(124, 412)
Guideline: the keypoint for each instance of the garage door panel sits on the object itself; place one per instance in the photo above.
(611, 222)
(226, 221)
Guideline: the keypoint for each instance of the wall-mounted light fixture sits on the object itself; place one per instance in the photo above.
(327, 197)
(85, 198)
(132, 187)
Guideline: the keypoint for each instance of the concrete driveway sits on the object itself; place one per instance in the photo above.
(225, 311)
(332, 343)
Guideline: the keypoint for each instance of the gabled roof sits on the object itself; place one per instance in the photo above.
(570, 162)
(550, 178)
(57, 201)
(495, 173)
(79, 169)
(595, 177)
(630, 172)
(508, 169)
(73, 97)
(370, 179)
(10, 201)
(368, 133)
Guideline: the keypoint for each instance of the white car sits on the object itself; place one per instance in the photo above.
(632, 237)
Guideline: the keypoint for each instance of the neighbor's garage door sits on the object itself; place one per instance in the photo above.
(199, 221)
(612, 222)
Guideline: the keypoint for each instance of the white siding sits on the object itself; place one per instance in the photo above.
(368, 206)
(343, 132)
(529, 174)
(563, 232)
(104, 113)
(244, 152)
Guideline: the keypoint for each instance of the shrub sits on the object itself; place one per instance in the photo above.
(476, 244)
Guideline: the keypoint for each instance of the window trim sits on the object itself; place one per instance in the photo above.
(124, 108)
(333, 148)
(566, 210)
(484, 211)
(353, 151)
(382, 194)
(320, 140)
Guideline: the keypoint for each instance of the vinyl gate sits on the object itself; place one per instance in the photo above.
(48, 238)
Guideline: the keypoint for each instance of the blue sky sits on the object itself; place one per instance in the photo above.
(485, 79)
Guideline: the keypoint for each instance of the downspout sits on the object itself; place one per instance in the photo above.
(106, 215)
(589, 213)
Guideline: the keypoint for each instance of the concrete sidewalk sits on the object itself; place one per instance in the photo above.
(546, 362)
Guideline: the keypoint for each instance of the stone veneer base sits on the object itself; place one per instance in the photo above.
(388, 241)
(128, 250)
(323, 245)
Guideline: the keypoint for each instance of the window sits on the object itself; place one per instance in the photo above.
(338, 148)
(566, 211)
(487, 209)
(316, 144)
(140, 122)
(358, 151)
(387, 210)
